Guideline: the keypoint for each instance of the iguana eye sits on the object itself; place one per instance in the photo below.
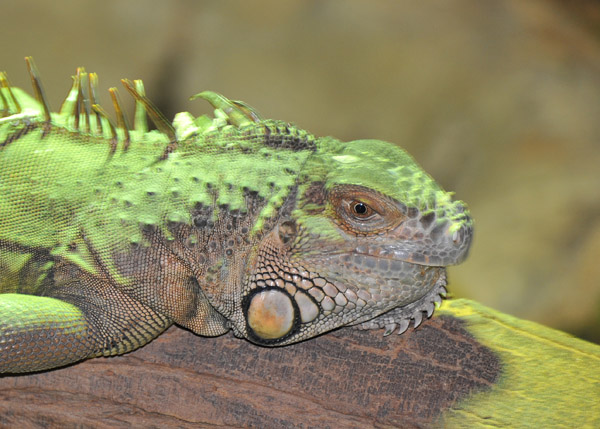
(358, 210)
(361, 210)
(364, 211)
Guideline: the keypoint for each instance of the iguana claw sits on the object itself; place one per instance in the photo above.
(429, 309)
(389, 329)
(417, 317)
(404, 324)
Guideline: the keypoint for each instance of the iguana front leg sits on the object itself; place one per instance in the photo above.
(81, 319)
(38, 333)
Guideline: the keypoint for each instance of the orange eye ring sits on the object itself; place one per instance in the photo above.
(363, 211)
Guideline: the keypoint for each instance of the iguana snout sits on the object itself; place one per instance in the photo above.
(434, 237)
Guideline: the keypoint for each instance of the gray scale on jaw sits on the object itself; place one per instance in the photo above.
(400, 317)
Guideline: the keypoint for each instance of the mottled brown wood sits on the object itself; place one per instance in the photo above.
(348, 378)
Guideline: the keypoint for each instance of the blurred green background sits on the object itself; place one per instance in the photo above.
(498, 100)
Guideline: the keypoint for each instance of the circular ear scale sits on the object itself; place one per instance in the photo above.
(272, 315)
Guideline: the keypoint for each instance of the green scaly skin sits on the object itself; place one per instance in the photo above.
(108, 236)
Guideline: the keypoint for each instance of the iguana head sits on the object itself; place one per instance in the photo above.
(370, 232)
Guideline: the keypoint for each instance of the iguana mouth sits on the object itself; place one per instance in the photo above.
(431, 255)
(414, 258)
(387, 260)
(403, 256)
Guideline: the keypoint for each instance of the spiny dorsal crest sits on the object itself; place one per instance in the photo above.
(81, 112)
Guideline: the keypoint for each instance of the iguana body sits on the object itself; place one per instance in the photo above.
(108, 236)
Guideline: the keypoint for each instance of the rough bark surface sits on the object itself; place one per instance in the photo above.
(347, 378)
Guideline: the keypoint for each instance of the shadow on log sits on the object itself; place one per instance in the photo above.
(467, 366)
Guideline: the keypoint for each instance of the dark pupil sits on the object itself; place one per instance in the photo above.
(360, 208)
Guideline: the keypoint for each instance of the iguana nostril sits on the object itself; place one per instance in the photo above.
(457, 236)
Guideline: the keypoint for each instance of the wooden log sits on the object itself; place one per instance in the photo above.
(469, 366)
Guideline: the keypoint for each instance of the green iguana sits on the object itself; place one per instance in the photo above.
(109, 235)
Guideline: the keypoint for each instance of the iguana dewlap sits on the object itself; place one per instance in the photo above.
(109, 235)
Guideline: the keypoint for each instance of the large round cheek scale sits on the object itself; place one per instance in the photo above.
(271, 314)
